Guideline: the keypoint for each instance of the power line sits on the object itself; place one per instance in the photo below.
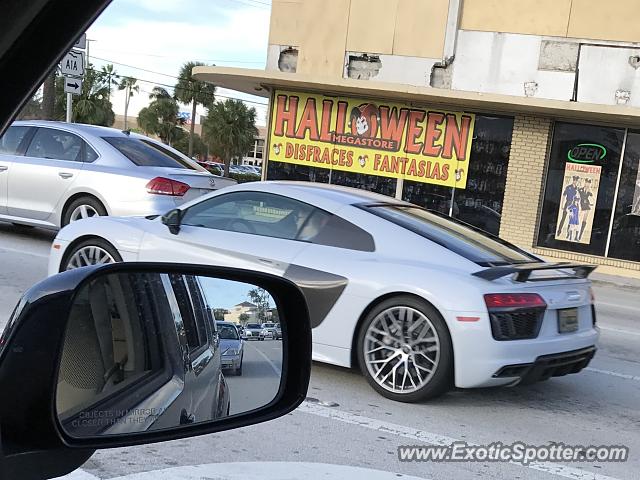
(172, 87)
(143, 54)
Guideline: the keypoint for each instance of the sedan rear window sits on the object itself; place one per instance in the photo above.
(465, 240)
(142, 154)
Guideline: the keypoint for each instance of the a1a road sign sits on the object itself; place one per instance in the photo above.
(73, 64)
(73, 85)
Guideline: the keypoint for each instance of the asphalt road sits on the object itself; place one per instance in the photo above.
(345, 422)
(260, 380)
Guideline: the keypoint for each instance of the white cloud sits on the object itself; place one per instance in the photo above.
(238, 37)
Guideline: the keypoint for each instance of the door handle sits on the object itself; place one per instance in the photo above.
(65, 175)
(266, 261)
(3, 168)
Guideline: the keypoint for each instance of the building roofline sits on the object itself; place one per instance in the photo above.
(261, 83)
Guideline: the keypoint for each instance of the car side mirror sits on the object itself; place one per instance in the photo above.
(131, 353)
(172, 219)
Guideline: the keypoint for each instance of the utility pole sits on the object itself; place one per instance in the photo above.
(69, 107)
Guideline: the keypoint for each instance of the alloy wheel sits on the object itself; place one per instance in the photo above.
(83, 211)
(401, 349)
(89, 255)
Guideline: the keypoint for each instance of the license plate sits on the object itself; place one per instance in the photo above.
(568, 320)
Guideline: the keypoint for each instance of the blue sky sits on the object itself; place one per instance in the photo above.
(225, 293)
(151, 39)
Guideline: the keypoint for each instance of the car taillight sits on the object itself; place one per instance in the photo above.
(166, 186)
(513, 300)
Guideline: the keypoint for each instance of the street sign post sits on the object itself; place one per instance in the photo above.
(73, 85)
(81, 43)
(73, 64)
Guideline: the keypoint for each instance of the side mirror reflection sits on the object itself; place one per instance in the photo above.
(151, 351)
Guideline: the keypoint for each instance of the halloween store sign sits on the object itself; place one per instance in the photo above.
(373, 138)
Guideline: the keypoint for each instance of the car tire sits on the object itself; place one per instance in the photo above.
(83, 207)
(238, 371)
(97, 249)
(427, 349)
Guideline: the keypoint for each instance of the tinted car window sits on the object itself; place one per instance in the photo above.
(190, 164)
(458, 237)
(90, 154)
(195, 338)
(323, 228)
(55, 144)
(250, 212)
(141, 154)
(11, 140)
(253, 325)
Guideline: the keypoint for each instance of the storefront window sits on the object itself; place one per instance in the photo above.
(372, 183)
(290, 171)
(480, 204)
(581, 182)
(625, 236)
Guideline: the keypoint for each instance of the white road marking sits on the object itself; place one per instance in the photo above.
(78, 475)
(614, 374)
(259, 471)
(24, 252)
(436, 439)
(618, 306)
(622, 331)
(276, 368)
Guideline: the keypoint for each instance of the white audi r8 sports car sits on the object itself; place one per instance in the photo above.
(418, 301)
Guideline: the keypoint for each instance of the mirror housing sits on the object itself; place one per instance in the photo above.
(33, 443)
(172, 220)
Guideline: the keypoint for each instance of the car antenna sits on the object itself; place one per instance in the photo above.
(126, 132)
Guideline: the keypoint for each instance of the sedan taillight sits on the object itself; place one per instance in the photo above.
(513, 300)
(166, 186)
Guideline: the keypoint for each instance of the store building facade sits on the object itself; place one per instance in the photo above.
(550, 164)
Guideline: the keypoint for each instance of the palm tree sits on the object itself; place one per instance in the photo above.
(128, 84)
(230, 130)
(190, 90)
(161, 116)
(109, 77)
(92, 106)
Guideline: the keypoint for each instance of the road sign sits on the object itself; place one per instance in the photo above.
(73, 64)
(81, 43)
(73, 85)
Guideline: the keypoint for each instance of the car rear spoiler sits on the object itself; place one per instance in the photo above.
(523, 271)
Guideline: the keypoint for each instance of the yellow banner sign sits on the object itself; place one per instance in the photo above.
(373, 138)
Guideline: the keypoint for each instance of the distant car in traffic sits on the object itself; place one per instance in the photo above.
(269, 330)
(253, 331)
(53, 173)
(278, 331)
(231, 346)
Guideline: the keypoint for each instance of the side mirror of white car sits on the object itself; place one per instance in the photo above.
(172, 219)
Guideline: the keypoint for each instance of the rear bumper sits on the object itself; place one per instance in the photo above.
(547, 366)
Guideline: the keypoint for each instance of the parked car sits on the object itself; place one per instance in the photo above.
(253, 331)
(421, 302)
(231, 346)
(269, 330)
(278, 331)
(53, 173)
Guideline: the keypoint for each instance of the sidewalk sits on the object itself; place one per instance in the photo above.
(604, 279)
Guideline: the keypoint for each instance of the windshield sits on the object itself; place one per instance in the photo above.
(471, 243)
(253, 325)
(141, 154)
(227, 332)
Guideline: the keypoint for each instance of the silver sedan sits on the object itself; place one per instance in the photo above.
(53, 173)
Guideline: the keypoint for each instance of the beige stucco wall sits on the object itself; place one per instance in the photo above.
(589, 19)
(323, 30)
(420, 28)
